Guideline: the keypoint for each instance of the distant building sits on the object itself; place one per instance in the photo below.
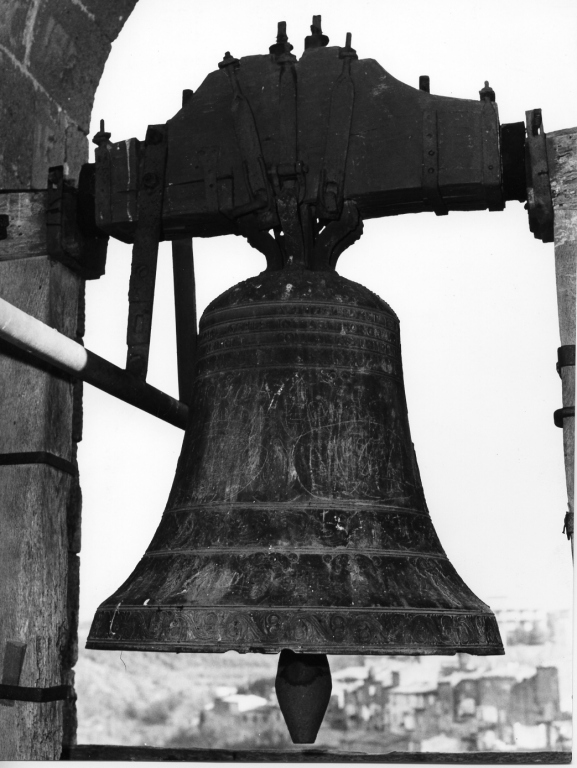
(501, 707)
(411, 708)
(242, 717)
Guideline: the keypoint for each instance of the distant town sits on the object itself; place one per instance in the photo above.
(517, 702)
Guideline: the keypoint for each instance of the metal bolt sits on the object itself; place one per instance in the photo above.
(101, 137)
(150, 180)
(281, 33)
(316, 39)
(487, 93)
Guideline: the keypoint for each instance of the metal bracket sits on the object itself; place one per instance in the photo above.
(565, 357)
(11, 691)
(332, 181)
(38, 695)
(249, 144)
(39, 457)
(568, 525)
(563, 413)
(431, 164)
(72, 237)
(539, 202)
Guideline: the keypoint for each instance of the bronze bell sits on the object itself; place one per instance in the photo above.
(297, 521)
(297, 517)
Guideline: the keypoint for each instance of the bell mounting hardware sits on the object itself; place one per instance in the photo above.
(297, 521)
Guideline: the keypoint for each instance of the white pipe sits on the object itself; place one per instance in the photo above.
(44, 342)
(41, 341)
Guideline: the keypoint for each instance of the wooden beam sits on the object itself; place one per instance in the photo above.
(39, 512)
(166, 754)
(562, 161)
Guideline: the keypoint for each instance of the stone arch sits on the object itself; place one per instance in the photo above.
(53, 53)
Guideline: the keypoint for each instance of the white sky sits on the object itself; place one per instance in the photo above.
(475, 292)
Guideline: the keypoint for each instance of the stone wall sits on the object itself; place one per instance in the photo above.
(52, 54)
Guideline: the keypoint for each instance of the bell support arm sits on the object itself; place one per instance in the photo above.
(45, 343)
(145, 252)
(185, 314)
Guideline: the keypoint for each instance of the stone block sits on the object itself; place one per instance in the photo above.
(26, 231)
(47, 136)
(36, 408)
(67, 57)
(75, 151)
(17, 100)
(33, 571)
(13, 18)
(110, 15)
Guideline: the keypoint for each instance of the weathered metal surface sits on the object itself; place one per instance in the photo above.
(297, 516)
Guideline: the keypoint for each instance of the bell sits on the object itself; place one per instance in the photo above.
(297, 518)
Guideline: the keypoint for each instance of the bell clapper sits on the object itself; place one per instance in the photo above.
(303, 687)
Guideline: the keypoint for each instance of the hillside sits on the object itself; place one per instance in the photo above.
(146, 698)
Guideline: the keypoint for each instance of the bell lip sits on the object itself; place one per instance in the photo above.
(268, 630)
(352, 650)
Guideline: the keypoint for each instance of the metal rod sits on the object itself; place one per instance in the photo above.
(185, 311)
(45, 343)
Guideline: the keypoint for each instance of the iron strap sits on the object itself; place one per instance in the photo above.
(565, 356)
(431, 190)
(145, 252)
(248, 142)
(491, 156)
(568, 524)
(332, 181)
(539, 201)
(39, 457)
(39, 695)
(563, 413)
